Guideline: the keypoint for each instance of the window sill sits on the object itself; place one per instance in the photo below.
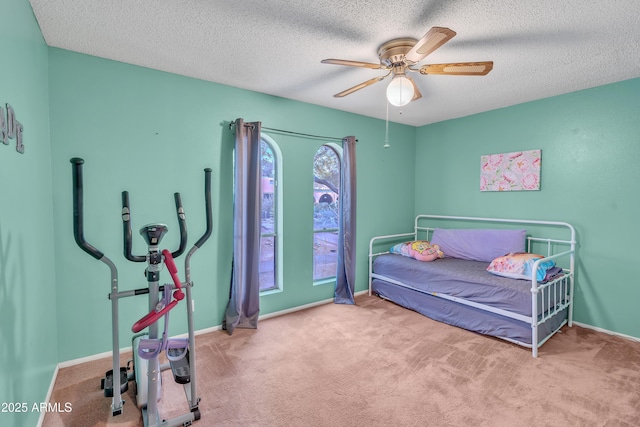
(324, 281)
(271, 291)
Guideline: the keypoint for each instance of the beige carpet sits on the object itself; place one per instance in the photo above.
(377, 364)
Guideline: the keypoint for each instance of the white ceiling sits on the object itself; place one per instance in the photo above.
(540, 48)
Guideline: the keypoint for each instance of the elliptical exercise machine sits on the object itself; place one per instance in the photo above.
(148, 346)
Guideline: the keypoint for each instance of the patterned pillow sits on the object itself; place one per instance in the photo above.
(421, 250)
(520, 266)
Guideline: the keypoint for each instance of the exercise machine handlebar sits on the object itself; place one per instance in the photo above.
(126, 228)
(153, 316)
(173, 271)
(78, 220)
(183, 226)
(207, 195)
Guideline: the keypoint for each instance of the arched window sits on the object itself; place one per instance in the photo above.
(271, 235)
(326, 211)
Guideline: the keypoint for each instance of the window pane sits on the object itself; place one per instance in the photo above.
(267, 269)
(325, 254)
(326, 210)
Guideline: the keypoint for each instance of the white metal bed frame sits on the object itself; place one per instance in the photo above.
(551, 305)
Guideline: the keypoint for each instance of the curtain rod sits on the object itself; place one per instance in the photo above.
(332, 138)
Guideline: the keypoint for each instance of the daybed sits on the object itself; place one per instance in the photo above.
(465, 285)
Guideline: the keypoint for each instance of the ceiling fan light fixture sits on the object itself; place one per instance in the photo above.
(400, 91)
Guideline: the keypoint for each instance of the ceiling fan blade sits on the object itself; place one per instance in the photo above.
(358, 87)
(416, 91)
(459, 69)
(352, 63)
(435, 37)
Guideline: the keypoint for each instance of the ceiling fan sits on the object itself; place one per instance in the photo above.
(398, 56)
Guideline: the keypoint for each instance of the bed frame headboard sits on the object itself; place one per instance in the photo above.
(569, 242)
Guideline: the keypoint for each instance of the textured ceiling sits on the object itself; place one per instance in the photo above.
(539, 48)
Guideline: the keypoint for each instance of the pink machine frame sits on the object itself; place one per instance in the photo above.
(551, 304)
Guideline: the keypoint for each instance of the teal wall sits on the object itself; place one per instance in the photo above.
(28, 333)
(590, 143)
(152, 133)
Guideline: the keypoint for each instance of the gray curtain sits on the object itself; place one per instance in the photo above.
(346, 273)
(244, 297)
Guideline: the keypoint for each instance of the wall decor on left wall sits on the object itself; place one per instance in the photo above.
(11, 128)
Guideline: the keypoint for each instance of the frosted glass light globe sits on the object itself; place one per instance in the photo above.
(400, 91)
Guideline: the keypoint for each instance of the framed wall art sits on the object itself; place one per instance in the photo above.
(517, 171)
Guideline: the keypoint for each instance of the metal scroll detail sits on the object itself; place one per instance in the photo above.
(11, 128)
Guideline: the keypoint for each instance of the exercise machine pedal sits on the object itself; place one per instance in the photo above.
(180, 368)
(106, 383)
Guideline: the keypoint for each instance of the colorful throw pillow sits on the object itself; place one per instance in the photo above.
(478, 244)
(421, 250)
(520, 266)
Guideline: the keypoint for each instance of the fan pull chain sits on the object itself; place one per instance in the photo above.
(386, 134)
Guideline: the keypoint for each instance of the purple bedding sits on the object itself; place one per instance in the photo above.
(464, 279)
(464, 316)
(459, 278)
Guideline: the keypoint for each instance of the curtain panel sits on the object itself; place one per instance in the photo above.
(346, 269)
(244, 296)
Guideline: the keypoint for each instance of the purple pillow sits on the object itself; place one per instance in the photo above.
(481, 244)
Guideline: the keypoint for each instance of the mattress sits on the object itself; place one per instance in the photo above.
(458, 278)
(467, 317)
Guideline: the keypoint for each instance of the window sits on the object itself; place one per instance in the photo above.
(326, 211)
(270, 237)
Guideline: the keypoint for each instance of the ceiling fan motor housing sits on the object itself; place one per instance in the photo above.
(392, 53)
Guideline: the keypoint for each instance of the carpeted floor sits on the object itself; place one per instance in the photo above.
(377, 364)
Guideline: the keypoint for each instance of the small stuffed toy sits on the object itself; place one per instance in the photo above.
(421, 250)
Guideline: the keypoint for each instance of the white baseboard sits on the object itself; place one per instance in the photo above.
(91, 358)
(98, 356)
(606, 331)
(304, 307)
(49, 393)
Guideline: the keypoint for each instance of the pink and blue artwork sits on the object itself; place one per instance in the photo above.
(517, 171)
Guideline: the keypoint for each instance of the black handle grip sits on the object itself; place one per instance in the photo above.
(207, 197)
(78, 220)
(183, 226)
(126, 230)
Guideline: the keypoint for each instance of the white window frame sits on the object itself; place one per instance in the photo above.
(277, 153)
(331, 279)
